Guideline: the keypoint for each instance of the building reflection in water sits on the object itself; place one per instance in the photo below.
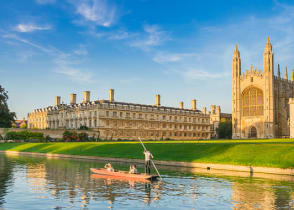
(71, 182)
(6, 178)
(73, 179)
(261, 195)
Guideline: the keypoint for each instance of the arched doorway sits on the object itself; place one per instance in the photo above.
(252, 132)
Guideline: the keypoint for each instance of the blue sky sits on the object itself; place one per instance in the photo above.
(179, 49)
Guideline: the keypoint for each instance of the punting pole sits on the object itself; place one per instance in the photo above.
(151, 159)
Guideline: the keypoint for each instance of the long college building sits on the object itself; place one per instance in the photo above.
(260, 100)
(114, 120)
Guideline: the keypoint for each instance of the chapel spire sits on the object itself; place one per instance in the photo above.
(268, 46)
(286, 73)
(236, 52)
(279, 73)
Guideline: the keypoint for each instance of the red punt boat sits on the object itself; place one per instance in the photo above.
(122, 179)
(123, 174)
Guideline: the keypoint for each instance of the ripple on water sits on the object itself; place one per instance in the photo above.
(39, 183)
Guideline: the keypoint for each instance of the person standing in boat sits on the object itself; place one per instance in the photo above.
(148, 157)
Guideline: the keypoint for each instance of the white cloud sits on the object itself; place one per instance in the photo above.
(81, 50)
(17, 38)
(154, 36)
(120, 35)
(170, 58)
(195, 74)
(100, 12)
(24, 28)
(69, 65)
(113, 35)
(45, 1)
(75, 75)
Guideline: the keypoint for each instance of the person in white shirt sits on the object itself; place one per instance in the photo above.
(109, 167)
(148, 157)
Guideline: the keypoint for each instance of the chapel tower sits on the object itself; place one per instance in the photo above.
(268, 68)
(236, 100)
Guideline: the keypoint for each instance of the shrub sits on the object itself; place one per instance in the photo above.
(23, 126)
(83, 137)
(24, 135)
(67, 135)
(83, 127)
(48, 138)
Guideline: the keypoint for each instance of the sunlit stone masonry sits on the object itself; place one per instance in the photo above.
(120, 120)
(261, 99)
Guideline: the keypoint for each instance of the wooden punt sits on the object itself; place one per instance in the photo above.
(124, 174)
(122, 179)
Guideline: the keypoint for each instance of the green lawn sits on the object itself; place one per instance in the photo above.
(270, 153)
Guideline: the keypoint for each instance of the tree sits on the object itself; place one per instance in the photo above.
(224, 130)
(6, 117)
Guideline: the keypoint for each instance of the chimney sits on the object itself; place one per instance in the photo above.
(194, 104)
(181, 105)
(86, 96)
(73, 98)
(111, 95)
(57, 101)
(157, 100)
(204, 110)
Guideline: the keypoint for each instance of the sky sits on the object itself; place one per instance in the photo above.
(181, 50)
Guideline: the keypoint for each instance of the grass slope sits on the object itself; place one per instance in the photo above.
(268, 153)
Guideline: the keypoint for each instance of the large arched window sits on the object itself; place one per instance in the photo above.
(252, 102)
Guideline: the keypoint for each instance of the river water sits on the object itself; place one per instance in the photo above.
(40, 183)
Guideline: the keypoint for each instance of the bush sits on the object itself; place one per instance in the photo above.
(23, 126)
(73, 136)
(83, 137)
(24, 135)
(224, 130)
(83, 127)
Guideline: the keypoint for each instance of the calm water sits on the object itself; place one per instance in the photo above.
(39, 183)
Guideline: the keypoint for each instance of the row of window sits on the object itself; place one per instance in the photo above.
(154, 134)
(153, 117)
(155, 125)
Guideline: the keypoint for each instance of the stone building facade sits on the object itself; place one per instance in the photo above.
(260, 100)
(114, 120)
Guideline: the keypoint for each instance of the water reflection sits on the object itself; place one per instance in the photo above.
(5, 178)
(61, 183)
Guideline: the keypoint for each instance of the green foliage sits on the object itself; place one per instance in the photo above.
(83, 137)
(6, 117)
(24, 135)
(24, 126)
(224, 130)
(48, 138)
(73, 136)
(83, 127)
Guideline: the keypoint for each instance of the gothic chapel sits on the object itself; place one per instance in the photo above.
(260, 100)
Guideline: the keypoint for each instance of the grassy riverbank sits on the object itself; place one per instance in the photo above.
(268, 153)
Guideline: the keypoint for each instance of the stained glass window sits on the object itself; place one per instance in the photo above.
(252, 102)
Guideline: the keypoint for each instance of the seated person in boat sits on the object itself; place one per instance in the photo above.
(133, 169)
(109, 167)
